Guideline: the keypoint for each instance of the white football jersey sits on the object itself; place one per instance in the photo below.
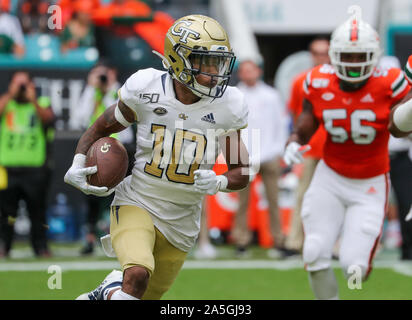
(174, 140)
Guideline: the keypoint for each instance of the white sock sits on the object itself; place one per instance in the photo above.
(120, 295)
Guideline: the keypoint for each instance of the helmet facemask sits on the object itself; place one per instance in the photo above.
(354, 66)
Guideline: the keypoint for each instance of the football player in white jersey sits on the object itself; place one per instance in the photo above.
(184, 116)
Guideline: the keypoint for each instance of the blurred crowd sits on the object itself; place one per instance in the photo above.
(73, 22)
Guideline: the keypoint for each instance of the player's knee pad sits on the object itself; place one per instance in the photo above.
(311, 249)
(371, 227)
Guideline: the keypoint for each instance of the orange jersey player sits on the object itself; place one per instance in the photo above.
(347, 197)
(356, 121)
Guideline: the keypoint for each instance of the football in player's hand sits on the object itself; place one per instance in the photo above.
(111, 159)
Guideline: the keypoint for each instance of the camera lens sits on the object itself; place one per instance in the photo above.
(103, 78)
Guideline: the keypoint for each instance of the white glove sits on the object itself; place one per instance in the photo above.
(76, 176)
(207, 182)
(294, 153)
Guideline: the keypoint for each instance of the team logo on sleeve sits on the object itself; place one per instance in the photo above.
(160, 111)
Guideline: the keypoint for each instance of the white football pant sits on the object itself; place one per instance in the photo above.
(352, 209)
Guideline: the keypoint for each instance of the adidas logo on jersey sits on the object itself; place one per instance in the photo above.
(367, 98)
(209, 118)
(371, 190)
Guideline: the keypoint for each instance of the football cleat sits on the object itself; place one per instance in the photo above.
(112, 281)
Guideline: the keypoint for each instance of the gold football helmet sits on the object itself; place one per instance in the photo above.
(194, 45)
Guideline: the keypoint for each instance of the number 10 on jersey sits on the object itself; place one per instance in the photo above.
(177, 150)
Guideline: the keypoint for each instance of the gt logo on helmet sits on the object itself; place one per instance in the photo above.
(184, 32)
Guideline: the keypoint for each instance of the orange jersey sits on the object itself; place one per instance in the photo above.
(356, 122)
(295, 107)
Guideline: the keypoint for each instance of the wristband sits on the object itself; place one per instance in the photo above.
(120, 118)
(223, 182)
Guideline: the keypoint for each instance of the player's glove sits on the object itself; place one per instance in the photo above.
(207, 182)
(76, 176)
(294, 153)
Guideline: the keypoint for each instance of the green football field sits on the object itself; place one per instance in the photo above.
(25, 278)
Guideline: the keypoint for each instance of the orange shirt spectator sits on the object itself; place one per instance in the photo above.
(120, 8)
(79, 31)
(68, 7)
(154, 32)
(5, 5)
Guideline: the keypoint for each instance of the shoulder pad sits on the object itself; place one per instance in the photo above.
(141, 79)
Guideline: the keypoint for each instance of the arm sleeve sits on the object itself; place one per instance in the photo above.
(399, 86)
(296, 96)
(408, 70)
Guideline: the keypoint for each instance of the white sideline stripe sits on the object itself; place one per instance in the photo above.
(403, 269)
(243, 264)
(399, 267)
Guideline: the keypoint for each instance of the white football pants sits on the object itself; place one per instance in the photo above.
(352, 209)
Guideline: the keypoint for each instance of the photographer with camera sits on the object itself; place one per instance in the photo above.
(24, 123)
(99, 94)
